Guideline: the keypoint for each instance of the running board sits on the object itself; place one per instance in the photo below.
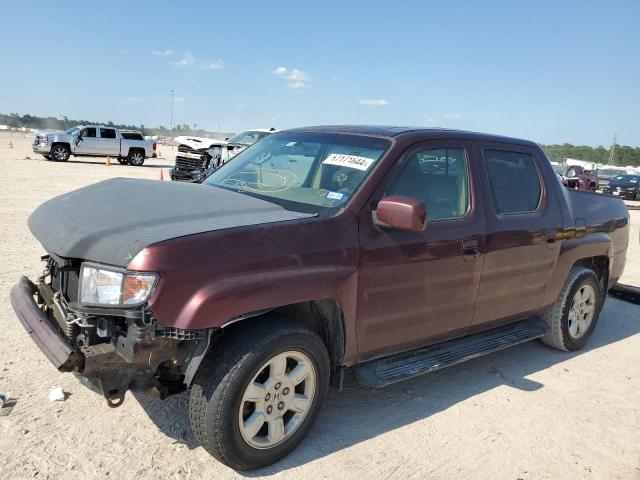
(387, 370)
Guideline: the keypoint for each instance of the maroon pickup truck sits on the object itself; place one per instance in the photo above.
(395, 251)
(579, 178)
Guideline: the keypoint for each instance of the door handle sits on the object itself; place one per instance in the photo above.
(470, 248)
(550, 238)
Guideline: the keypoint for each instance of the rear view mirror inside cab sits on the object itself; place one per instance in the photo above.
(402, 213)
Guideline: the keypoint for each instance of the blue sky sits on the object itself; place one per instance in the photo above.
(553, 72)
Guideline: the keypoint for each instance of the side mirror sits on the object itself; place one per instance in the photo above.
(402, 213)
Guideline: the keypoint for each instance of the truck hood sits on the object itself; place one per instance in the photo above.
(112, 221)
(50, 132)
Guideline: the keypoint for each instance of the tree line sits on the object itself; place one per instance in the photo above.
(623, 155)
(15, 120)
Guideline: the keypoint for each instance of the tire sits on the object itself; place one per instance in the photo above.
(566, 332)
(123, 161)
(60, 152)
(592, 187)
(135, 157)
(222, 418)
(637, 198)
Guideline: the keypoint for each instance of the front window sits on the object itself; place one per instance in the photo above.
(438, 177)
(247, 138)
(303, 171)
(72, 130)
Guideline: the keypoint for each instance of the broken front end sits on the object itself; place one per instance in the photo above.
(94, 321)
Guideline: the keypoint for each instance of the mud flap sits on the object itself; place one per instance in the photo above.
(628, 293)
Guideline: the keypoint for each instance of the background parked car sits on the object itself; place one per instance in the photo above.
(626, 186)
(605, 174)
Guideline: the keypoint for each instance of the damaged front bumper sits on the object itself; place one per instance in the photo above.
(134, 356)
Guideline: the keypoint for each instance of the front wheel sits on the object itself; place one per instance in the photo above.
(256, 397)
(135, 158)
(574, 315)
(60, 153)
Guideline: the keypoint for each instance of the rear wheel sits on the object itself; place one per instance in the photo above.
(256, 397)
(574, 315)
(60, 153)
(135, 157)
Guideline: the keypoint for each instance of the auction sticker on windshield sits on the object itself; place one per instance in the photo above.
(350, 161)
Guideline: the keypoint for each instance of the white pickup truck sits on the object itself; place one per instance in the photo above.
(128, 146)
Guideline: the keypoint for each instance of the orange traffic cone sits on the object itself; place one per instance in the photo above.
(108, 162)
(161, 174)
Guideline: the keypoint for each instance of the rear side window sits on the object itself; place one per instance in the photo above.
(513, 180)
(132, 136)
(107, 133)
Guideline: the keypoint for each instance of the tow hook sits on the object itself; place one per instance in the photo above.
(115, 403)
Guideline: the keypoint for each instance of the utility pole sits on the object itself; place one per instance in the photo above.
(612, 151)
(171, 122)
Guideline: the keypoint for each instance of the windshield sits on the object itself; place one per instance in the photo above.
(303, 171)
(626, 179)
(571, 172)
(247, 138)
(559, 169)
(72, 130)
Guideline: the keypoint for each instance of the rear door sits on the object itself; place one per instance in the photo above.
(522, 221)
(420, 287)
(109, 142)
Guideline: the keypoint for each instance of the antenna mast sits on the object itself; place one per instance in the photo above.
(171, 122)
(612, 151)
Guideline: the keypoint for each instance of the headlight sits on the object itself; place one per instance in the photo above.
(102, 286)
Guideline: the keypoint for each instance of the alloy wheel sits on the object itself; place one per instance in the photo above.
(60, 153)
(136, 159)
(277, 399)
(581, 311)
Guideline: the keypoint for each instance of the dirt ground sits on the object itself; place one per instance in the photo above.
(524, 413)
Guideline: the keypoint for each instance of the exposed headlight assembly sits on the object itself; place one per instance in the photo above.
(111, 287)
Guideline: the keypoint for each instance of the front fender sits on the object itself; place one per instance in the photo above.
(215, 304)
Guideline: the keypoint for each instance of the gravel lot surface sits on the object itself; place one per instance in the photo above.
(528, 412)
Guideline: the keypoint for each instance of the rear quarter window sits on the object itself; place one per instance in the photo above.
(132, 136)
(513, 180)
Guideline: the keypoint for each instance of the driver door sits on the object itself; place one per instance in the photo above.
(416, 288)
(87, 142)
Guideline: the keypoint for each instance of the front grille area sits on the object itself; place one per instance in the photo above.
(196, 162)
(65, 280)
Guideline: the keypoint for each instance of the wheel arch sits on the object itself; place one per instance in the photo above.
(594, 251)
(323, 316)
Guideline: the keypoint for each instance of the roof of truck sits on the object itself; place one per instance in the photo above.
(395, 131)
